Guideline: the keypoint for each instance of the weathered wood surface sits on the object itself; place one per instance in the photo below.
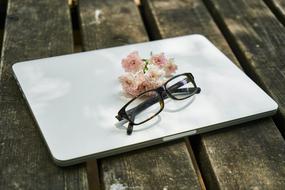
(251, 155)
(34, 29)
(248, 156)
(103, 24)
(112, 23)
(278, 8)
(175, 18)
(166, 166)
(258, 39)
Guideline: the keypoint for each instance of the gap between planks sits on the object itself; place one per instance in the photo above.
(277, 8)
(195, 164)
(74, 14)
(3, 10)
(93, 175)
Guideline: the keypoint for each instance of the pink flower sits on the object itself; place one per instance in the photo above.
(135, 84)
(147, 85)
(153, 79)
(128, 82)
(155, 84)
(159, 59)
(142, 84)
(142, 75)
(169, 68)
(132, 62)
(154, 73)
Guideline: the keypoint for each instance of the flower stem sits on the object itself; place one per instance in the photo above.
(145, 66)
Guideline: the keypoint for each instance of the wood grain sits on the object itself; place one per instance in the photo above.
(278, 8)
(166, 166)
(241, 157)
(176, 18)
(248, 156)
(105, 25)
(34, 29)
(258, 39)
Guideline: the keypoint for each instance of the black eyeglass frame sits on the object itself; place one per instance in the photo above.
(122, 114)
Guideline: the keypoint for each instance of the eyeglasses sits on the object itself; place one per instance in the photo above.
(150, 103)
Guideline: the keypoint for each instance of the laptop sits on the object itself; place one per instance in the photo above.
(74, 98)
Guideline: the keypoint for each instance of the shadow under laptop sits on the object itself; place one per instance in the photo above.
(170, 106)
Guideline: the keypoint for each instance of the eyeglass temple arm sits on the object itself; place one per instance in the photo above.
(130, 125)
(179, 84)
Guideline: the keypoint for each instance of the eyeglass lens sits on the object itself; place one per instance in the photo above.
(180, 87)
(144, 107)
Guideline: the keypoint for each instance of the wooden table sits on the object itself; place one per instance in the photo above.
(247, 156)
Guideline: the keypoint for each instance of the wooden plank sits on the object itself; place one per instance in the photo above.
(166, 166)
(112, 23)
(34, 29)
(181, 18)
(278, 8)
(105, 25)
(246, 156)
(258, 39)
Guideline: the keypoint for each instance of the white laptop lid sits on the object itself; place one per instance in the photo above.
(74, 98)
